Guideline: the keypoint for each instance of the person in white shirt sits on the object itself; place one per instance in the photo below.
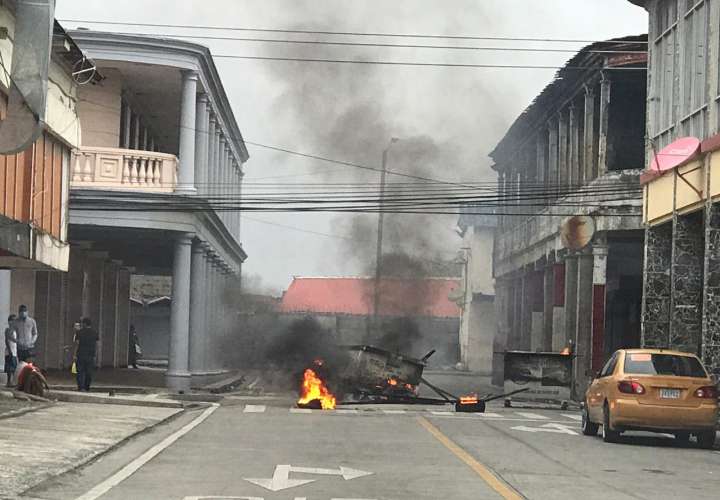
(27, 333)
(11, 359)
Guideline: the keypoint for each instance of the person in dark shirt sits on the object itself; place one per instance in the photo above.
(85, 346)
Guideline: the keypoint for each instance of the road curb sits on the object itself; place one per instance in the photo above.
(77, 397)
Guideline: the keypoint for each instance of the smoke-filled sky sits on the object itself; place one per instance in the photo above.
(446, 119)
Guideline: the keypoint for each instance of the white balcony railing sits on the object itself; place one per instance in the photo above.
(126, 169)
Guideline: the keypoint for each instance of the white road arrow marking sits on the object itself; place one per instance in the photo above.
(346, 472)
(281, 477)
(553, 428)
(280, 480)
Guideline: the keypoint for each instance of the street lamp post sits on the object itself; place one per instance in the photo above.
(381, 218)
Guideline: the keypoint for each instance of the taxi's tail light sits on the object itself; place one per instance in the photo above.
(707, 392)
(630, 387)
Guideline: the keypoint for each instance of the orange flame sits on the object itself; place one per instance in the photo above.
(392, 381)
(314, 388)
(469, 400)
(566, 352)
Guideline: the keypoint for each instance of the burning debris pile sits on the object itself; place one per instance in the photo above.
(314, 393)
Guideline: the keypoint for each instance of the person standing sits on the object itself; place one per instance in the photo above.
(86, 340)
(134, 350)
(27, 333)
(10, 350)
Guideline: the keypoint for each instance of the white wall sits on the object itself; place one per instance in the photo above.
(99, 109)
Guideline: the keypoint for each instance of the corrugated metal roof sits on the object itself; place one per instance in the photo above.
(426, 297)
(565, 79)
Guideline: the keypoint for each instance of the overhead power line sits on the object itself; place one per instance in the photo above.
(346, 163)
(426, 64)
(351, 33)
(381, 45)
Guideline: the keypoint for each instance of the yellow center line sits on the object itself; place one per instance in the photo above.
(502, 488)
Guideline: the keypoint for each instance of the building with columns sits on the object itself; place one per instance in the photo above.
(567, 257)
(681, 307)
(152, 185)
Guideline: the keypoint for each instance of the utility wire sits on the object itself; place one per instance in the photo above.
(293, 228)
(428, 64)
(350, 33)
(382, 45)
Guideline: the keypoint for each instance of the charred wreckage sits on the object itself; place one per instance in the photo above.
(371, 375)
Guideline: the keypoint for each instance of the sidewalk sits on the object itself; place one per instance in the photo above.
(149, 378)
(59, 438)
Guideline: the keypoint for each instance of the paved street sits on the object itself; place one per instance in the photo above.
(247, 449)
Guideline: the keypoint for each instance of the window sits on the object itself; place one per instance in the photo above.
(694, 28)
(609, 367)
(679, 100)
(664, 66)
(640, 363)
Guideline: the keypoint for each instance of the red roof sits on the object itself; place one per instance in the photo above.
(426, 297)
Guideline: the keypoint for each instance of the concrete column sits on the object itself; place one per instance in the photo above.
(711, 289)
(515, 339)
(216, 159)
(178, 376)
(136, 132)
(500, 343)
(126, 128)
(202, 124)
(687, 282)
(571, 288)
(599, 286)
(220, 187)
(526, 312)
(583, 328)
(123, 316)
(563, 167)
(589, 153)
(656, 286)
(212, 146)
(575, 165)
(240, 199)
(541, 146)
(198, 299)
(604, 125)
(188, 107)
(107, 325)
(552, 181)
(210, 311)
(559, 339)
(548, 307)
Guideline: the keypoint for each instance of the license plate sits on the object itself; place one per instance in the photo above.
(670, 393)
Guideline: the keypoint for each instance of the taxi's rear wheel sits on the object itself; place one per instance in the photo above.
(609, 434)
(706, 440)
(588, 428)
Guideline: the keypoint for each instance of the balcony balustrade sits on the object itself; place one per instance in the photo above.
(124, 169)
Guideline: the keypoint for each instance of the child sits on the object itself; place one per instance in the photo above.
(10, 350)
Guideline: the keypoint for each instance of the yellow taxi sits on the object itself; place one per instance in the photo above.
(652, 390)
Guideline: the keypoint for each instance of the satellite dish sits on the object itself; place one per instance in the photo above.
(576, 232)
(83, 71)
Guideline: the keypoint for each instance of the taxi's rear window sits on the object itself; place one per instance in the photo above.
(641, 363)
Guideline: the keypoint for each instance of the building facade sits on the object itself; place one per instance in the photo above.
(682, 184)
(153, 184)
(568, 247)
(35, 176)
(477, 292)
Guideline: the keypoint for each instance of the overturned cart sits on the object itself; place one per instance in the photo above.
(374, 375)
